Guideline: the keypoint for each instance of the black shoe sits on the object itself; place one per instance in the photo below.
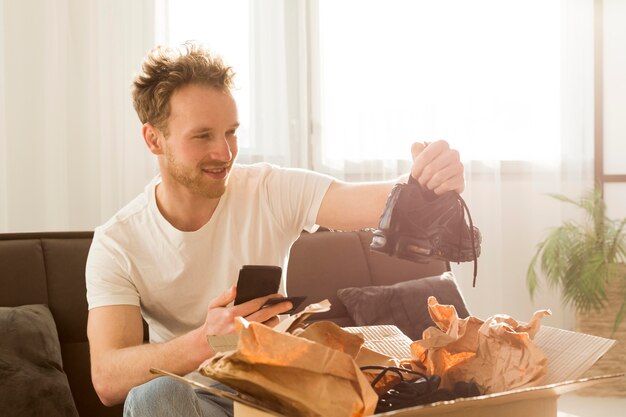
(419, 225)
(419, 391)
(422, 389)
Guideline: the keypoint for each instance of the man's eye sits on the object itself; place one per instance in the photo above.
(231, 132)
(202, 136)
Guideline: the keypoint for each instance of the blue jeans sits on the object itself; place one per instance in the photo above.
(165, 396)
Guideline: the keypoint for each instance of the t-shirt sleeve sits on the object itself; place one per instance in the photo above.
(108, 280)
(295, 196)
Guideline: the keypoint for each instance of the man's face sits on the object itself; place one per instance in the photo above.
(202, 142)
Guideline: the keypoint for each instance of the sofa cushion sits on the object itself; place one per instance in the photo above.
(404, 304)
(32, 381)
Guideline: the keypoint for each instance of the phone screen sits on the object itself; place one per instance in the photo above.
(257, 281)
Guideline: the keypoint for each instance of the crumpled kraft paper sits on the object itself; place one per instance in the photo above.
(296, 376)
(497, 354)
(330, 335)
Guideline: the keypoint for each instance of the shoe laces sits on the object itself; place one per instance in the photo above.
(398, 371)
(472, 237)
(416, 391)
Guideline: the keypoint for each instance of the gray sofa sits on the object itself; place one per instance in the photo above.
(48, 268)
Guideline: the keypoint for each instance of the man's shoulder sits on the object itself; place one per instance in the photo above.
(133, 212)
(263, 170)
(258, 169)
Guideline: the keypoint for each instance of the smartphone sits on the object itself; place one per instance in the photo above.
(257, 281)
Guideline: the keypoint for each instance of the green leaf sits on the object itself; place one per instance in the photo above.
(579, 257)
(564, 199)
(620, 316)
(531, 275)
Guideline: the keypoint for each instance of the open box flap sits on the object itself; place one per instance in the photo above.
(570, 354)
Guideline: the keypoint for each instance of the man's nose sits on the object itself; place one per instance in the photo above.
(221, 151)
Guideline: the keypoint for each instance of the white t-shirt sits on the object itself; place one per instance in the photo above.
(139, 258)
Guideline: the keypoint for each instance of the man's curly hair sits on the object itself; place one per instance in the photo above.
(167, 69)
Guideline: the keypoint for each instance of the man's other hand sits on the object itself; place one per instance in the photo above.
(220, 316)
(437, 167)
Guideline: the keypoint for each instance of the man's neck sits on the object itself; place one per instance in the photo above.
(184, 210)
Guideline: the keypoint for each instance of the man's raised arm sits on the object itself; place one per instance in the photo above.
(350, 206)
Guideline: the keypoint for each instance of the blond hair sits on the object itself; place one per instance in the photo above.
(167, 69)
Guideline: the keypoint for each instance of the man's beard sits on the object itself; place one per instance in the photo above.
(194, 179)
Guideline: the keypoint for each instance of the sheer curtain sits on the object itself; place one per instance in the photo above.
(509, 84)
(339, 87)
(71, 152)
(265, 43)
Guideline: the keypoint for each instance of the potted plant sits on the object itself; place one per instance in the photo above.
(585, 261)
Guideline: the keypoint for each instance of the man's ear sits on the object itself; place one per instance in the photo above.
(153, 138)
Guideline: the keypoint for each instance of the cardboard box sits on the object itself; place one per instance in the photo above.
(529, 402)
(569, 355)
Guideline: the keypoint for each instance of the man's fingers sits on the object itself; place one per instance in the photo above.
(272, 322)
(417, 148)
(431, 152)
(224, 299)
(250, 308)
(445, 165)
(262, 314)
(423, 156)
(438, 168)
(446, 179)
(455, 184)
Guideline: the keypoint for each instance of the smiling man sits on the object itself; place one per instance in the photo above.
(172, 254)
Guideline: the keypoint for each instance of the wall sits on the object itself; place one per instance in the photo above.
(615, 104)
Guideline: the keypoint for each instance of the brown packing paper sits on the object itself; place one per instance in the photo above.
(293, 373)
(352, 343)
(376, 340)
(497, 354)
(332, 336)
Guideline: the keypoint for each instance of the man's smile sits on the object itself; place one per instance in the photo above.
(217, 173)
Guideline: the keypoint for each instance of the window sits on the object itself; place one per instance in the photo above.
(483, 74)
(224, 27)
(379, 74)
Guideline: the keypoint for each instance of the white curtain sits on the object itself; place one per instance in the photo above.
(511, 203)
(265, 43)
(71, 152)
(344, 87)
(509, 84)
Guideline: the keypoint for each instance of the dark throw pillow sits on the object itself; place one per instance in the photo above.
(404, 304)
(32, 381)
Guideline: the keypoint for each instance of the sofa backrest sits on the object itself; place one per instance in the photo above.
(322, 263)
